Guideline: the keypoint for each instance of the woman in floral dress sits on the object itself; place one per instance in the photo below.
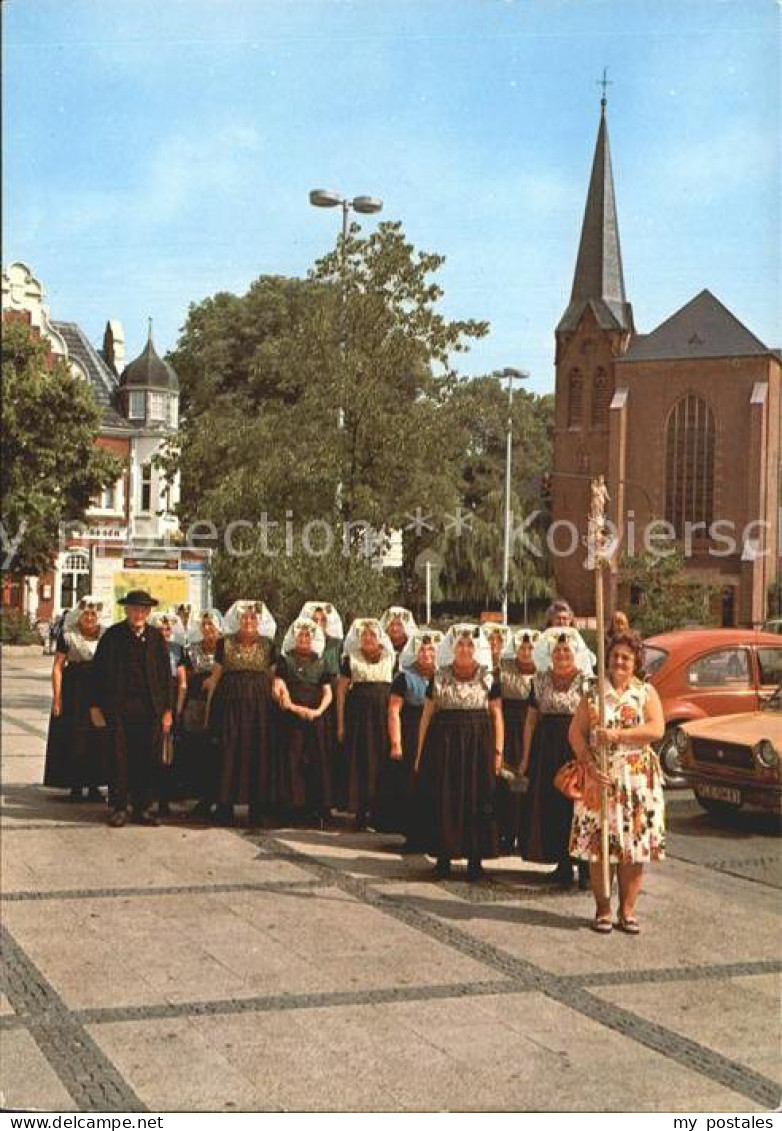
(636, 809)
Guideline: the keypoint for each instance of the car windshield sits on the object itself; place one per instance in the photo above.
(774, 701)
(654, 658)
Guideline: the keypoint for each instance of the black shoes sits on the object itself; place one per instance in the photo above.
(118, 819)
(202, 811)
(145, 819)
(475, 871)
(563, 876)
(223, 816)
(442, 868)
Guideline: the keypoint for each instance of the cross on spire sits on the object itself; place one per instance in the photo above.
(604, 82)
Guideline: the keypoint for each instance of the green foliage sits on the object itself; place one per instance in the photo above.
(263, 376)
(51, 468)
(662, 596)
(478, 412)
(15, 628)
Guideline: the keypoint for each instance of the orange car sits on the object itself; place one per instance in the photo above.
(703, 672)
(734, 760)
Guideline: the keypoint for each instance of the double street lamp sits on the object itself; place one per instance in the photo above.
(323, 198)
(512, 375)
(366, 205)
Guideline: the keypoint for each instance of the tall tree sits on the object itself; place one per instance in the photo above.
(51, 467)
(319, 397)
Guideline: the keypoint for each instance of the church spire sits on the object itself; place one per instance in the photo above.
(599, 280)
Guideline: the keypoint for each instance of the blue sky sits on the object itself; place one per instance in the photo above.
(156, 152)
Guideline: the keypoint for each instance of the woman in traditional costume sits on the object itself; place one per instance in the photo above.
(239, 712)
(636, 808)
(362, 714)
(405, 708)
(564, 669)
(497, 636)
(173, 632)
(460, 753)
(330, 623)
(302, 691)
(76, 751)
(517, 667)
(198, 752)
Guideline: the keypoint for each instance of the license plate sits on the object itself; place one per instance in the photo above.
(720, 793)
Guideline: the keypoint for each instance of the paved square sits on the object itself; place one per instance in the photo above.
(184, 968)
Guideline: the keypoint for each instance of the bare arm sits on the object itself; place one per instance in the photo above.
(181, 689)
(578, 735)
(57, 669)
(495, 710)
(426, 718)
(530, 723)
(212, 681)
(342, 689)
(395, 704)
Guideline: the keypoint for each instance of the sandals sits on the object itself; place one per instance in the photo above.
(602, 924)
(628, 924)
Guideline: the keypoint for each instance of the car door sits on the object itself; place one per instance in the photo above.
(769, 669)
(722, 681)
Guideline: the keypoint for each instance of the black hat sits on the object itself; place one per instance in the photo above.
(138, 597)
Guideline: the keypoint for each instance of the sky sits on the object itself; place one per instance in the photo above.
(158, 151)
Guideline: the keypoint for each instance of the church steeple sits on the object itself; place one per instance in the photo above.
(599, 280)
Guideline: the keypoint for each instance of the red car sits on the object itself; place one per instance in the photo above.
(703, 672)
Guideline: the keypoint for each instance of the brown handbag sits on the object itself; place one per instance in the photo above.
(570, 780)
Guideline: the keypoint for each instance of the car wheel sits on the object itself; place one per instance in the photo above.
(716, 808)
(669, 759)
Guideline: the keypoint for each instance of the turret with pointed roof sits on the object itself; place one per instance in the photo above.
(599, 280)
(149, 371)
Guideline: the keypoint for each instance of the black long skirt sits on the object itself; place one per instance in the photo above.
(512, 808)
(197, 751)
(304, 770)
(551, 814)
(77, 753)
(366, 744)
(457, 786)
(242, 725)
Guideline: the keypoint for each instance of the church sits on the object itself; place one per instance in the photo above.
(683, 422)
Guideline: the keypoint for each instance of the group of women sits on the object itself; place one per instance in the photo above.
(452, 739)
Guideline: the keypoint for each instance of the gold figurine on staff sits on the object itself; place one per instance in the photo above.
(598, 557)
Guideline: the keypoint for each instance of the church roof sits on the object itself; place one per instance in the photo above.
(598, 282)
(149, 370)
(703, 327)
(97, 372)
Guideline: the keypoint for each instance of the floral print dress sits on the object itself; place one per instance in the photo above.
(636, 809)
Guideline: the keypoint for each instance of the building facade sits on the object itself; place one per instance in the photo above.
(683, 422)
(131, 537)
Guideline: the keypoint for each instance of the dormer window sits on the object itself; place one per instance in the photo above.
(158, 408)
(136, 405)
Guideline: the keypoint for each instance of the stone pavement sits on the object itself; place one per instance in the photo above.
(188, 968)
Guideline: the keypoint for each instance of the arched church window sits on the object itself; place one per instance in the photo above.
(601, 399)
(689, 470)
(575, 399)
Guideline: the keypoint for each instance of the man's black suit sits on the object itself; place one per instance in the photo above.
(132, 681)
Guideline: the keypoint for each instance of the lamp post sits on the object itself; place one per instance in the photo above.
(520, 375)
(366, 205)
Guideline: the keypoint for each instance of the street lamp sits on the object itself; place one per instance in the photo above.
(325, 198)
(519, 375)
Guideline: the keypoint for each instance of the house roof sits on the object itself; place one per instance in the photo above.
(703, 327)
(98, 373)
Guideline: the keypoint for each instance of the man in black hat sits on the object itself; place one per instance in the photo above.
(132, 696)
